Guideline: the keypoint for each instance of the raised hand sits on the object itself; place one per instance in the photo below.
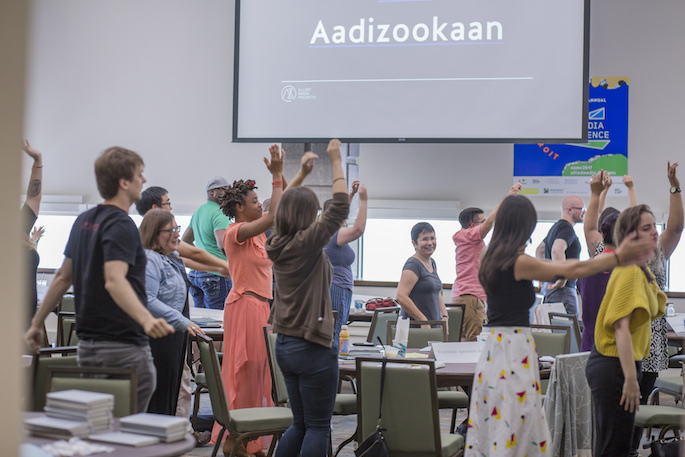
(333, 149)
(597, 183)
(516, 188)
(672, 178)
(355, 188)
(307, 162)
(275, 165)
(628, 181)
(32, 152)
(363, 196)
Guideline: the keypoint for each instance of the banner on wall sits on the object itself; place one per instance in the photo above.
(565, 169)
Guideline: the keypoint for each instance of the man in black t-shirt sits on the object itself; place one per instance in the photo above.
(105, 261)
(562, 243)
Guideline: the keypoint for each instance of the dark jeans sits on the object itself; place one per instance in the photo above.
(341, 298)
(613, 424)
(311, 377)
(209, 290)
(566, 295)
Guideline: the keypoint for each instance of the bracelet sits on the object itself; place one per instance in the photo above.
(277, 183)
(618, 260)
(445, 316)
(37, 166)
(338, 179)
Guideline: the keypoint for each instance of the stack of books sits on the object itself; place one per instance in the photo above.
(165, 428)
(73, 413)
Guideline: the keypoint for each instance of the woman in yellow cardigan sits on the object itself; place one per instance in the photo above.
(622, 334)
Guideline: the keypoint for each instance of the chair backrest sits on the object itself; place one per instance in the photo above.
(455, 320)
(122, 383)
(551, 340)
(279, 392)
(541, 312)
(419, 337)
(67, 303)
(410, 405)
(571, 321)
(64, 356)
(215, 384)
(378, 328)
(66, 328)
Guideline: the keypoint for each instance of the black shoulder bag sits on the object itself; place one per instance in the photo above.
(374, 445)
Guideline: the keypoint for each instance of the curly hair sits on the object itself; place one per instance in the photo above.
(229, 197)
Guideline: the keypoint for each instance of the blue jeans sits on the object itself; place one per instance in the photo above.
(311, 377)
(566, 295)
(341, 298)
(209, 290)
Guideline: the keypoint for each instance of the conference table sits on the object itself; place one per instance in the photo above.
(450, 375)
(175, 448)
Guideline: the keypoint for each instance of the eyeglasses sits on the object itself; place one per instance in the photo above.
(165, 203)
(171, 231)
(579, 208)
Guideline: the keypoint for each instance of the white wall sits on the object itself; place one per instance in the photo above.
(156, 76)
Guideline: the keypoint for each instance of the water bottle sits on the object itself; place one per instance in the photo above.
(344, 341)
(670, 310)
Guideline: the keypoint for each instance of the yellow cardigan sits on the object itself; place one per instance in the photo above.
(628, 292)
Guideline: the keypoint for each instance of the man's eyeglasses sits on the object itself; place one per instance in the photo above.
(579, 208)
(165, 203)
(171, 231)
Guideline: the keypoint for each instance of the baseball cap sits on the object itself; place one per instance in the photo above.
(216, 182)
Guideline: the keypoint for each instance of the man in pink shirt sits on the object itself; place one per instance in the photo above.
(469, 248)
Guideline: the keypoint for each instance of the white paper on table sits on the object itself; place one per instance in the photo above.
(458, 352)
(677, 324)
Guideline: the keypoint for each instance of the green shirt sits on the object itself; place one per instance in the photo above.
(205, 221)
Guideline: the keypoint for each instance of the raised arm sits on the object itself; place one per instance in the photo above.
(592, 235)
(674, 226)
(333, 150)
(34, 192)
(630, 184)
(490, 220)
(348, 234)
(606, 181)
(261, 225)
(306, 166)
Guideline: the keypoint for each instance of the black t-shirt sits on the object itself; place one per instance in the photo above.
(99, 235)
(31, 262)
(563, 229)
(510, 300)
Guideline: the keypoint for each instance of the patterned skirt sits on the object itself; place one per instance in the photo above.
(506, 417)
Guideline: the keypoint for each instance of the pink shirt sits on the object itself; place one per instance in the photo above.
(248, 264)
(470, 246)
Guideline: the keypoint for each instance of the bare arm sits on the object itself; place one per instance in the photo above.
(632, 196)
(34, 192)
(628, 252)
(603, 196)
(188, 236)
(540, 251)
(348, 234)
(407, 282)
(59, 286)
(261, 225)
(674, 226)
(201, 260)
(630, 398)
(125, 297)
(592, 235)
(490, 220)
(333, 150)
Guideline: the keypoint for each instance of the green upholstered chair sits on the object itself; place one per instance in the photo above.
(122, 383)
(64, 356)
(246, 423)
(410, 408)
(455, 321)
(419, 337)
(379, 324)
(345, 404)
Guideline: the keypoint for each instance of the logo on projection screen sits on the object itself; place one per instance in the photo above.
(288, 94)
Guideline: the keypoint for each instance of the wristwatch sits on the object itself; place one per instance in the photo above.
(675, 190)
